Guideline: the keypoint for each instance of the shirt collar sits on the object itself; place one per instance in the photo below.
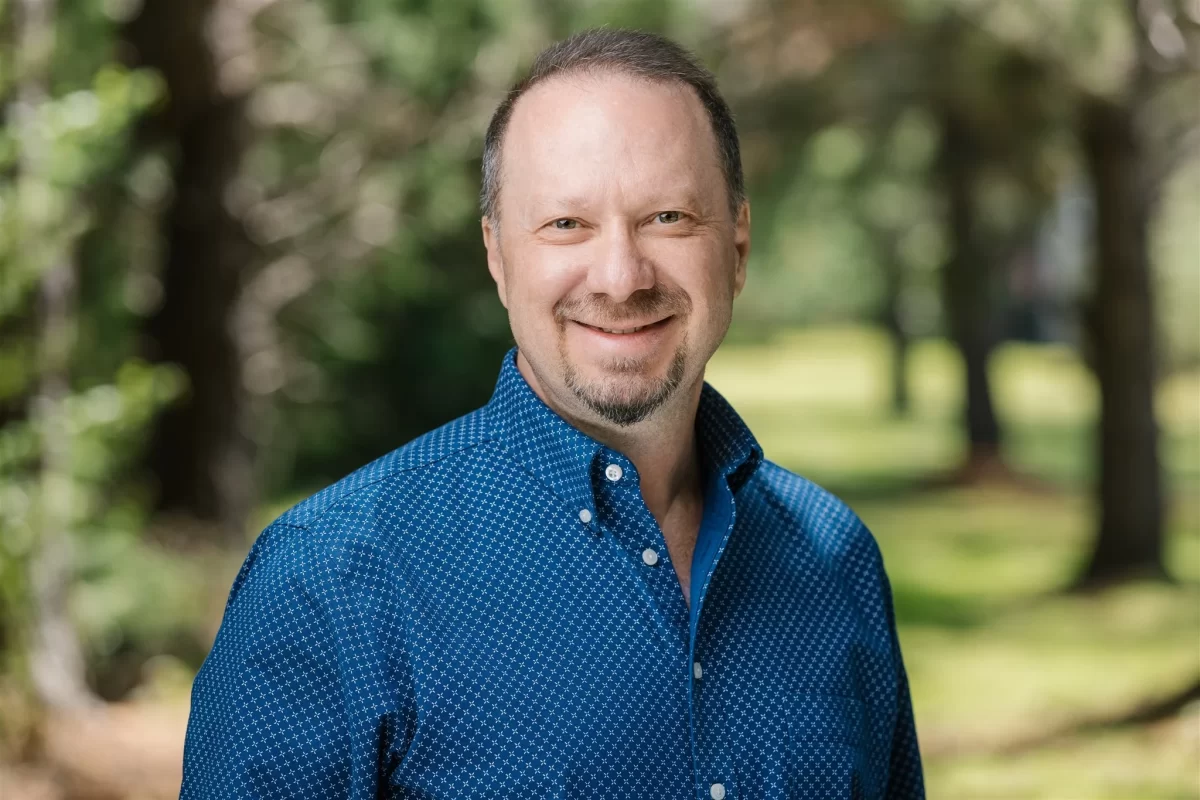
(561, 455)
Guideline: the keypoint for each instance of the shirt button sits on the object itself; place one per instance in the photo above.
(650, 557)
(585, 516)
(613, 472)
(697, 670)
(717, 791)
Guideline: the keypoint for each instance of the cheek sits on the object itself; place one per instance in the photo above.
(537, 281)
(705, 277)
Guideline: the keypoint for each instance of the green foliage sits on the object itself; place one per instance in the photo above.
(77, 136)
(860, 196)
(66, 124)
(375, 209)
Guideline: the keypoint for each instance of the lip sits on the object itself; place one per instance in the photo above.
(626, 326)
(639, 343)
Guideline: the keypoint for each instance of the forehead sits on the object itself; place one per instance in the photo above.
(600, 137)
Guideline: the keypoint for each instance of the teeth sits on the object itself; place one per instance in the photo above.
(626, 330)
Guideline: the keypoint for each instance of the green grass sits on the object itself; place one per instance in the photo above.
(995, 651)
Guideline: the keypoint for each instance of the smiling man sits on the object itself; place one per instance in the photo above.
(594, 586)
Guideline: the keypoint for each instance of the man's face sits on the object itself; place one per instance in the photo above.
(615, 252)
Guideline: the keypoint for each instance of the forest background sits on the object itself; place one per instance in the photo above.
(240, 257)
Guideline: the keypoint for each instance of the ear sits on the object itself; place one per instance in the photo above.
(741, 245)
(491, 241)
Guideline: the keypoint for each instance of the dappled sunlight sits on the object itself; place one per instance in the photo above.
(1156, 761)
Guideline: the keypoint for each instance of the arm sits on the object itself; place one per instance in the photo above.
(273, 707)
(906, 780)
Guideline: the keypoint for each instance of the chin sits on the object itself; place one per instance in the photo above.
(623, 388)
(624, 373)
(626, 391)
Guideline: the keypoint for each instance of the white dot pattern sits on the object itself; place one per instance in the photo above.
(439, 625)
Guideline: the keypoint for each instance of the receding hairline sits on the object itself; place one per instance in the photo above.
(594, 72)
(635, 55)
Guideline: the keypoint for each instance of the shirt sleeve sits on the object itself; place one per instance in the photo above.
(906, 779)
(272, 713)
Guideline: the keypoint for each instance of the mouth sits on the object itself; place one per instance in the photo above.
(628, 329)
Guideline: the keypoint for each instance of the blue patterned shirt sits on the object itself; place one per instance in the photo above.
(491, 611)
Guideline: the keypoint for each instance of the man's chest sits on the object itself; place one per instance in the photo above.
(555, 655)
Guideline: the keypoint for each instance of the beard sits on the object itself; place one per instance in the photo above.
(631, 395)
(628, 405)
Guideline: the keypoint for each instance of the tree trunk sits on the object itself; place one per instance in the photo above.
(967, 288)
(202, 459)
(56, 661)
(893, 322)
(1120, 322)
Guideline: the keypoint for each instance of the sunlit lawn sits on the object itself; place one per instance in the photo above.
(994, 653)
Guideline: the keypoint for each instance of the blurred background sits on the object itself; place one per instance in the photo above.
(240, 256)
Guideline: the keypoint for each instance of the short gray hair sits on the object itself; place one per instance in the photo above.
(636, 53)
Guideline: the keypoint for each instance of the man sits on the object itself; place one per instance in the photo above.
(593, 586)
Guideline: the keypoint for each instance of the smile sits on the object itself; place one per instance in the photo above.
(625, 331)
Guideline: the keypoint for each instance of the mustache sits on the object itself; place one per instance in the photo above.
(657, 301)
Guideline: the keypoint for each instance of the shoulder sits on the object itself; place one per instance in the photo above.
(814, 516)
(817, 528)
(351, 533)
(374, 495)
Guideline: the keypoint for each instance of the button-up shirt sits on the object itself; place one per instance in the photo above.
(492, 611)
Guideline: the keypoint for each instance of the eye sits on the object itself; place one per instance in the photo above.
(565, 224)
(669, 217)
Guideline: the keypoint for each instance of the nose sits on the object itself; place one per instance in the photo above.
(620, 269)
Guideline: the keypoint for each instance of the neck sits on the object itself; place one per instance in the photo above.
(663, 448)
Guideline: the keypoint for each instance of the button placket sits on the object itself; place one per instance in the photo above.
(621, 511)
(710, 721)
